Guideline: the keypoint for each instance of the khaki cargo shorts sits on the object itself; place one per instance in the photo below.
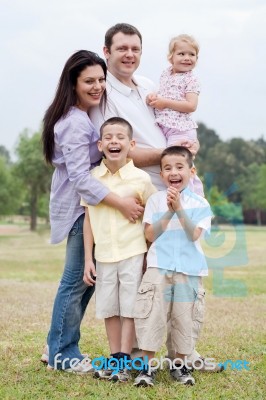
(168, 296)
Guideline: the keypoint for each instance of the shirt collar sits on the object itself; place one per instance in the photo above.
(121, 87)
(123, 172)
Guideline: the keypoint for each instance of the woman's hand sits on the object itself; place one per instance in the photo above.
(131, 208)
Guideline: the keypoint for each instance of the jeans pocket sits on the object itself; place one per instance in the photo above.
(199, 306)
(143, 305)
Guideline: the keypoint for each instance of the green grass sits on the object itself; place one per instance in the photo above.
(234, 328)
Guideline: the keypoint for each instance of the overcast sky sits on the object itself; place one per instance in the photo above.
(37, 37)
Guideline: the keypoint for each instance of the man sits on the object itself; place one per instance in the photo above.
(126, 98)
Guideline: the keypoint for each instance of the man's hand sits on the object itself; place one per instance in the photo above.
(193, 146)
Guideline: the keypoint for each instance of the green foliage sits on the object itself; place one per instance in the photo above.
(262, 187)
(248, 185)
(10, 193)
(224, 210)
(227, 161)
(33, 172)
(4, 154)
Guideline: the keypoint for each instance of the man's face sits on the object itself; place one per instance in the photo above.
(123, 58)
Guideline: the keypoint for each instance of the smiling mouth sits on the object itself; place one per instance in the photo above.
(114, 150)
(175, 181)
(95, 94)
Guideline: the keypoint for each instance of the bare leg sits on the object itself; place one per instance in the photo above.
(127, 335)
(113, 330)
(149, 354)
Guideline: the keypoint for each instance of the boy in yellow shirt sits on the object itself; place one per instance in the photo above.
(119, 244)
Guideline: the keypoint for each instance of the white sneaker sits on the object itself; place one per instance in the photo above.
(81, 368)
(45, 356)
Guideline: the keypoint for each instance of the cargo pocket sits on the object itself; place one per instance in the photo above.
(199, 305)
(144, 301)
(198, 312)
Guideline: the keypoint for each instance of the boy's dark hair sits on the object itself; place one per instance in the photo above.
(127, 29)
(178, 150)
(118, 121)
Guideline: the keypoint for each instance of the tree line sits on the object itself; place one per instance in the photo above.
(233, 173)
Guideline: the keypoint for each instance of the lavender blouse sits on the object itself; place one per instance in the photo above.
(75, 154)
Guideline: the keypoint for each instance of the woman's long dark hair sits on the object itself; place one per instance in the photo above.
(65, 96)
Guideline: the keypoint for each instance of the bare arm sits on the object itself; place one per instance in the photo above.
(186, 106)
(89, 268)
(145, 157)
(173, 200)
(153, 231)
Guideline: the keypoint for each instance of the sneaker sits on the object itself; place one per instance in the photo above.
(104, 373)
(45, 356)
(182, 375)
(144, 379)
(122, 375)
(81, 368)
(202, 365)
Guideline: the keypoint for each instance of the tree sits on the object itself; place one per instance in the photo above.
(252, 187)
(10, 193)
(227, 161)
(4, 154)
(33, 172)
(224, 210)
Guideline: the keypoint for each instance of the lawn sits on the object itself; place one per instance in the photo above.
(234, 327)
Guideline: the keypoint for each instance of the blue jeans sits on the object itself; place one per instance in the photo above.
(72, 298)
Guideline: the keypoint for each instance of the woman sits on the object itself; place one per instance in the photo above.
(70, 145)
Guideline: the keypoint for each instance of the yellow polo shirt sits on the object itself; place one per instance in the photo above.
(115, 237)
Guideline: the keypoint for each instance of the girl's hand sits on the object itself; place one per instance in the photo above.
(151, 97)
(89, 276)
(157, 102)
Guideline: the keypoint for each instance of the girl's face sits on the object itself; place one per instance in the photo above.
(184, 58)
(90, 87)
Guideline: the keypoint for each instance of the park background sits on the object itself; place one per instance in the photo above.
(36, 39)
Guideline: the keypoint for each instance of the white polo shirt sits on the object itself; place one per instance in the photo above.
(130, 104)
(172, 250)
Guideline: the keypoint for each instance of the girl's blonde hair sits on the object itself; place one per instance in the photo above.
(182, 38)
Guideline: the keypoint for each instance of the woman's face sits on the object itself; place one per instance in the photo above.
(90, 87)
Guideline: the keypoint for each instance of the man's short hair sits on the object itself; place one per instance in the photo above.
(117, 121)
(180, 151)
(127, 29)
